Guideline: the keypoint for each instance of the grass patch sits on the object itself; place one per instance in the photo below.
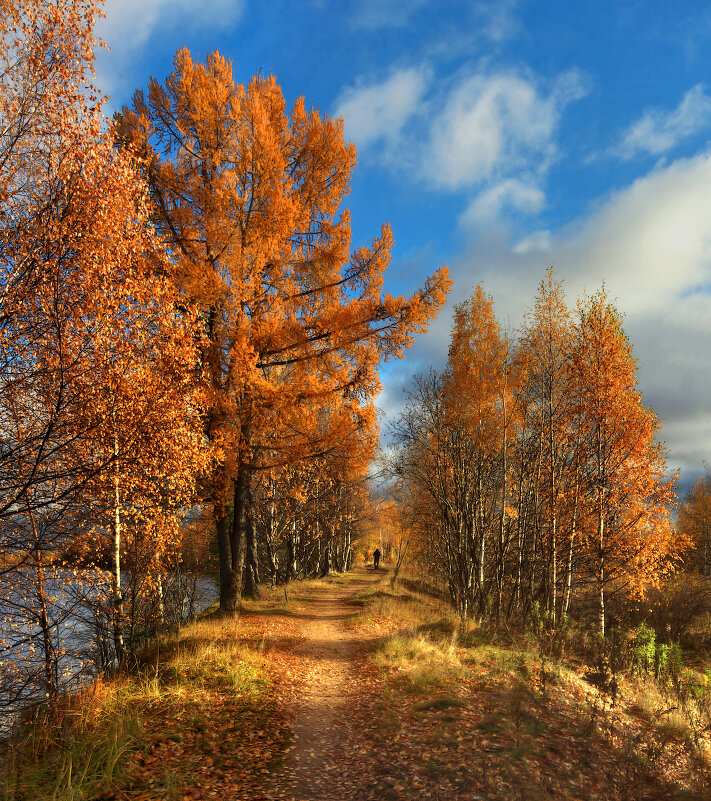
(439, 703)
(419, 664)
(147, 731)
(439, 629)
(77, 750)
(423, 588)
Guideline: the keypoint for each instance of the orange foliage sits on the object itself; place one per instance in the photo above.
(102, 424)
(695, 523)
(543, 356)
(538, 468)
(248, 194)
(623, 466)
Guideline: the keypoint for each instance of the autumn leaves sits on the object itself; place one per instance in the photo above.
(182, 325)
(292, 326)
(101, 438)
(538, 462)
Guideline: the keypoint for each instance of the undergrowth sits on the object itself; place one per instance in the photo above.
(628, 696)
(80, 748)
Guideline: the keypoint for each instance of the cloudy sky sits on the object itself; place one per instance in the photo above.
(499, 138)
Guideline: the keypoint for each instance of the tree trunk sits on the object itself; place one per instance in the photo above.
(231, 542)
(601, 574)
(273, 562)
(346, 550)
(230, 584)
(601, 532)
(161, 600)
(554, 567)
(291, 565)
(271, 537)
(482, 549)
(569, 577)
(237, 533)
(328, 557)
(502, 518)
(601, 583)
(48, 652)
(116, 589)
(251, 578)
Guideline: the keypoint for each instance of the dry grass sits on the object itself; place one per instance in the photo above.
(68, 752)
(79, 749)
(505, 689)
(420, 664)
(421, 648)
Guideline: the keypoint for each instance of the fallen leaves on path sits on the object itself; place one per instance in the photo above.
(324, 716)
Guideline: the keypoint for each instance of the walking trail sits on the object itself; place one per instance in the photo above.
(325, 690)
(472, 721)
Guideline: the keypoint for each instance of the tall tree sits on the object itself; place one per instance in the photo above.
(95, 354)
(623, 465)
(544, 349)
(518, 459)
(478, 409)
(695, 523)
(49, 123)
(248, 194)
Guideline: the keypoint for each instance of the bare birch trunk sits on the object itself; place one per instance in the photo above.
(117, 595)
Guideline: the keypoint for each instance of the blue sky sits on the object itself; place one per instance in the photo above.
(500, 138)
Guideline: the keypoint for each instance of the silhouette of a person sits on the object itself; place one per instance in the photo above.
(376, 558)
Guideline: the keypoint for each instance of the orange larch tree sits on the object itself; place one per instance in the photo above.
(624, 479)
(479, 408)
(456, 432)
(695, 523)
(521, 458)
(248, 195)
(543, 352)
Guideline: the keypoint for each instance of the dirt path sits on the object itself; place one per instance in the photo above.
(325, 696)
(286, 704)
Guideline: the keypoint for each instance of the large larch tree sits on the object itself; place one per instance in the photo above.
(624, 480)
(247, 194)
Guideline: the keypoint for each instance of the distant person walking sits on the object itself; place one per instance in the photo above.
(376, 558)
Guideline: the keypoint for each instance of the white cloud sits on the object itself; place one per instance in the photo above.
(379, 111)
(537, 241)
(374, 14)
(650, 244)
(497, 17)
(493, 132)
(511, 193)
(651, 241)
(496, 123)
(659, 131)
(129, 25)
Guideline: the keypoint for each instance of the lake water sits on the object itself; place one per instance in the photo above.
(76, 608)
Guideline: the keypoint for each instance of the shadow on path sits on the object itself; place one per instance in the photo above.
(324, 659)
